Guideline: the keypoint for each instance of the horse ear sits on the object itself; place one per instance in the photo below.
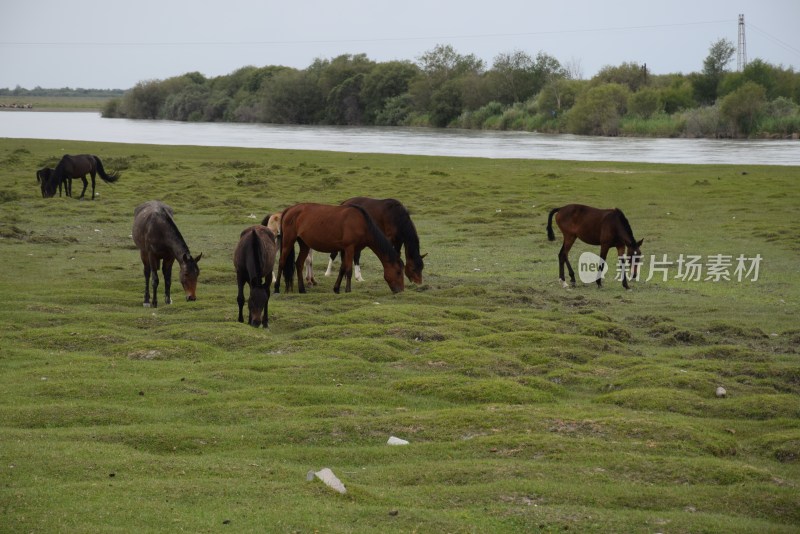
(639, 243)
(424, 255)
(197, 259)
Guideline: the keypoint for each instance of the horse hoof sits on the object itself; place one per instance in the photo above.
(146, 304)
(564, 284)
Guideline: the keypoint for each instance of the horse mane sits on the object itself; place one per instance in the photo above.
(405, 228)
(383, 244)
(168, 216)
(626, 225)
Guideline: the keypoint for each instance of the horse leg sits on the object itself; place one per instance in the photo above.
(154, 273)
(347, 263)
(603, 255)
(167, 270)
(299, 264)
(68, 187)
(329, 270)
(240, 296)
(563, 258)
(621, 254)
(85, 185)
(357, 266)
(309, 269)
(146, 263)
(93, 185)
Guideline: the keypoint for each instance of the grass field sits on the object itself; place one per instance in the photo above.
(528, 407)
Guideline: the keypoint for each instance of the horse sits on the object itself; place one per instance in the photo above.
(253, 260)
(273, 222)
(394, 220)
(605, 227)
(77, 167)
(325, 228)
(158, 239)
(44, 174)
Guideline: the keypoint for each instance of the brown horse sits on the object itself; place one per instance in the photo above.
(159, 239)
(43, 176)
(344, 229)
(254, 259)
(393, 219)
(605, 227)
(77, 167)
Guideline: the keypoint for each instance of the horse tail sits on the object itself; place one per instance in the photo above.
(550, 235)
(110, 178)
(254, 269)
(382, 242)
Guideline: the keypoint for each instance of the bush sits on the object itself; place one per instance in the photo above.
(744, 107)
(598, 111)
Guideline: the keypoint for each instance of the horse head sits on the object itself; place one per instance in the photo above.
(393, 274)
(259, 296)
(634, 252)
(414, 268)
(189, 273)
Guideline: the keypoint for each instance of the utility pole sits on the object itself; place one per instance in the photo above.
(741, 55)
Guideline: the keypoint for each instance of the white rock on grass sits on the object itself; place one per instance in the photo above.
(396, 441)
(327, 476)
(721, 392)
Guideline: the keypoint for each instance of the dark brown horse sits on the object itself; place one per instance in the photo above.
(605, 227)
(344, 229)
(44, 174)
(77, 167)
(159, 239)
(254, 259)
(393, 219)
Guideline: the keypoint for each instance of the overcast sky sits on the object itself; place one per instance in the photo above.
(110, 44)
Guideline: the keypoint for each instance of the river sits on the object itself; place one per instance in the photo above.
(85, 126)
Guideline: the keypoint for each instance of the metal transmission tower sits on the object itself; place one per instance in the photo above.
(741, 55)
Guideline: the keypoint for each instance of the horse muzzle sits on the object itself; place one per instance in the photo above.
(190, 298)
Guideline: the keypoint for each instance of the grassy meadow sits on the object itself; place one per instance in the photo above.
(528, 407)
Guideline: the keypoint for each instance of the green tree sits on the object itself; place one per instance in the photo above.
(384, 82)
(744, 107)
(633, 75)
(645, 103)
(291, 97)
(706, 84)
(598, 110)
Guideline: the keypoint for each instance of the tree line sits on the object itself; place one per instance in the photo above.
(445, 88)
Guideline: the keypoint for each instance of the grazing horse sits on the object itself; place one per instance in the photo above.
(254, 259)
(273, 222)
(159, 239)
(43, 176)
(345, 229)
(605, 227)
(393, 219)
(77, 167)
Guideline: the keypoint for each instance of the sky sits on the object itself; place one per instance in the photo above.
(108, 44)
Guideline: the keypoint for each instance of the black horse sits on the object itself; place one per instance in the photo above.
(44, 174)
(77, 167)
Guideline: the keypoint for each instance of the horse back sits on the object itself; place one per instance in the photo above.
(324, 227)
(255, 253)
(590, 225)
(152, 227)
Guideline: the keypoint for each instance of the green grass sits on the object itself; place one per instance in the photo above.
(528, 407)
